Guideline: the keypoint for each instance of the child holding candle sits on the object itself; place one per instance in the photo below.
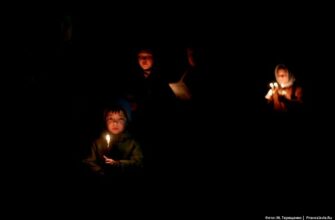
(115, 152)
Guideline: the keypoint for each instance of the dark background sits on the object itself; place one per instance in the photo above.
(53, 101)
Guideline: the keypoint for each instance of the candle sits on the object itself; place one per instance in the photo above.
(108, 138)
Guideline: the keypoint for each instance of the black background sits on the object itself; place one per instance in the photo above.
(252, 161)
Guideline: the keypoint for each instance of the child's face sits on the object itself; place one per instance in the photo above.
(282, 76)
(116, 122)
(145, 60)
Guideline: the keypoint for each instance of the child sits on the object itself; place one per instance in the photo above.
(115, 152)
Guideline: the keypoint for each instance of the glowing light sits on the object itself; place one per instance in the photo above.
(282, 92)
(108, 138)
(269, 94)
(181, 90)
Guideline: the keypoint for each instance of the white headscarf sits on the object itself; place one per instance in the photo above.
(291, 77)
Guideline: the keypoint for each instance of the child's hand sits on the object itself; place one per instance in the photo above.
(110, 161)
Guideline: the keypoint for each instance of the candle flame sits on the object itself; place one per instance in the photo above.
(108, 138)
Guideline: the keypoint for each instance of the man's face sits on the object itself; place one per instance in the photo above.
(116, 122)
(282, 76)
(145, 59)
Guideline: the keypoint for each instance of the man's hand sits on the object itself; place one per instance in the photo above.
(110, 161)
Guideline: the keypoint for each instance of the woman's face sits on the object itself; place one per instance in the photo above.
(282, 76)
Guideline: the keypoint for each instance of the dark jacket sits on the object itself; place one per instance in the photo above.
(124, 149)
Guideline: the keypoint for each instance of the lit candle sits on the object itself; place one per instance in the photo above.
(275, 84)
(271, 85)
(108, 138)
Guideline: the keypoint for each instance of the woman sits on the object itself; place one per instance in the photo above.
(284, 95)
